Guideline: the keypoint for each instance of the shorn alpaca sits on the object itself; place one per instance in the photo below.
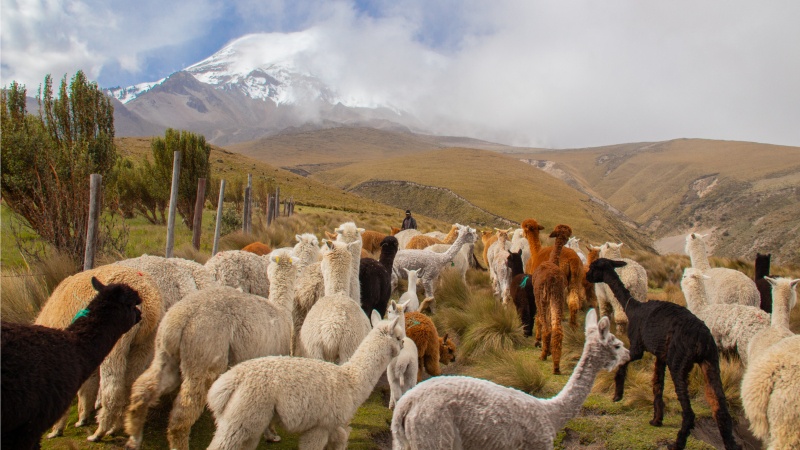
(376, 278)
(771, 395)
(308, 396)
(194, 347)
(569, 263)
(522, 292)
(470, 413)
(43, 368)
(432, 350)
(732, 326)
(724, 285)
(549, 291)
(633, 276)
(763, 286)
(679, 340)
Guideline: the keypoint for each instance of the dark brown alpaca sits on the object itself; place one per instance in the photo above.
(764, 288)
(522, 292)
(550, 291)
(569, 262)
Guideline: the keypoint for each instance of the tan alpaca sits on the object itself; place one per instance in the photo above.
(431, 349)
(371, 243)
(259, 248)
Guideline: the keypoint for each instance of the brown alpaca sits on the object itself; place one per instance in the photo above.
(451, 235)
(549, 290)
(259, 248)
(421, 242)
(431, 348)
(488, 238)
(371, 242)
(569, 262)
(395, 230)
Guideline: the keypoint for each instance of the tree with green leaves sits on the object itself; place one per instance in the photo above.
(47, 159)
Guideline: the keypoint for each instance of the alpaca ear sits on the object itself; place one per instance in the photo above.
(375, 318)
(404, 305)
(620, 244)
(360, 230)
(616, 263)
(407, 272)
(97, 285)
(540, 228)
(392, 324)
(591, 319)
(298, 237)
(420, 272)
(445, 337)
(392, 305)
(604, 326)
(793, 283)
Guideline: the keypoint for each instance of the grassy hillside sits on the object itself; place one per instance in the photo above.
(745, 191)
(495, 183)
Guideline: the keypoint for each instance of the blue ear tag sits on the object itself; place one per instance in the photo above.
(82, 313)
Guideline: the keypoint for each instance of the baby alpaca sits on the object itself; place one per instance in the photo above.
(469, 413)
(306, 396)
(43, 368)
(402, 371)
(431, 348)
(409, 299)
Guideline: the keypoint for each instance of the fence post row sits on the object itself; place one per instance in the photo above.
(197, 224)
(95, 182)
(173, 203)
(219, 217)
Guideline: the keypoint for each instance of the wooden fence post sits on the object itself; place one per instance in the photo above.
(199, 202)
(248, 213)
(219, 217)
(95, 182)
(173, 203)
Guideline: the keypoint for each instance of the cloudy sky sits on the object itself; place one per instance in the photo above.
(549, 73)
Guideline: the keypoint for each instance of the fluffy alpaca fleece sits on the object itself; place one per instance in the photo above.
(312, 397)
(469, 413)
(522, 292)
(371, 242)
(679, 340)
(243, 270)
(175, 280)
(404, 236)
(129, 357)
(549, 291)
(409, 299)
(402, 371)
(499, 272)
(259, 248)
(763, 286)
(431, 349)
(569, 263)
(518, 242)
(432, 262)
(335, 325)
(633, 276)
(463, 259)
(723, 285)
(784, 299)
(574, 244)
(194, 347)
(733, 326)
(375, 278)
(771, 395)
(421, 241)
(43, 368)
(348, 233)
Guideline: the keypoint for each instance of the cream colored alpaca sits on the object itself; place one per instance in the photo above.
(469, 413)
(348, 233)
(499, 271)
(308, 396)
(784, 298)
(241, 270)
(633, 276)
(201, 337)
(723, 285)
(409, 299)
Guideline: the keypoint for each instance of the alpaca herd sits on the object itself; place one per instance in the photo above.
(250, 331)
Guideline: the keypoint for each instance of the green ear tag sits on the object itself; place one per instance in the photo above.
(82, 313)
(524, 281)
(452, 264)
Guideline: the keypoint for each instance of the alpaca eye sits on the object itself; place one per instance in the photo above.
(618, 346)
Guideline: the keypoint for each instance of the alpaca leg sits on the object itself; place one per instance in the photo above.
(715, 396)
(187, 409)
(574, 304)
(113, 390)
(680, 378)
(432, 365)
(87, 396)
(58, 428)
(619, 382)
(658, 392)
(145, 393)
(546, 331)
(314, 439)
(271, 434)
(337, 439)
(556, 338)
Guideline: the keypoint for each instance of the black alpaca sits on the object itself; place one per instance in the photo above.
(376, 278)
(522, 291)
(764, 288)
(679, 340)
(42, 368)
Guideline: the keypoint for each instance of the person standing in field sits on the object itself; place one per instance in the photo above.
(409, 222)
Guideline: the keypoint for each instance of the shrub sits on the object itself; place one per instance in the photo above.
(515, 368)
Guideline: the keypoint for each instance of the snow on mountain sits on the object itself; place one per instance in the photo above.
(129, 93)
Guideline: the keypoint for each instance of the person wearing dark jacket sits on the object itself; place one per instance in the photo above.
(409, 222)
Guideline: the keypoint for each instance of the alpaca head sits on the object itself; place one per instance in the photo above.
(611, 250)
(572, 243)
(602, 345)
(348, 232)
(114, 303)
(485, 236)
(336, 255)
(593, 255)
(602, 268)
(695, 241)
(395, 230)
(531, 228)
(397, 310)
(693, 287)
(392, 331)
(389, 245)
(514, 260)
(502, 235)
(307, 248)
(762, 263)
(447, 350)
(282, 268)
(562, 232)
(784, 287)
(413, 275)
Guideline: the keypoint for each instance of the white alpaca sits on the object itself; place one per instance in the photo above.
(732, 326)
(402, 371)
(573, 243)
(306, 396)
(771, 395)
(469, 413)
(518, 242)
(432, 262)
(349, 233)
(243, 270)
(498, 267)
(462, 261)
(176, 277)
(198, 340)
(633, 276)
(410, 298)
(723, 285)
(335, 325)
(784, 298)
(306, 251)
(310, 285)
(404, 236)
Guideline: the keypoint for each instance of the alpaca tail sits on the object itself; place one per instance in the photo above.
(757, 386)
(399, 437)
(221, 392)
(715, 396)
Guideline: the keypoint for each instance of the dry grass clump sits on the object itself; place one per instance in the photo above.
(451, 291)
(515, 368)
(24, 291)
(187, 251)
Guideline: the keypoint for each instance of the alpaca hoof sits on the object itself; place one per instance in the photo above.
(537, 344)
(55, 434)
(81, 423)
(94, 438)
(617, 398)
(542, 357)
(656, 423)
(556, 371)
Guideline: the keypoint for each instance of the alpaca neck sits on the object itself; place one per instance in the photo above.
(337, 279)
(454, 248)
(451, 236)
(281, 292)
(696, 298)
(555, 255)
(781, 299)
(622, 293)
(95, 337)
(567, 404)
(534, 243)
(412, 284)
(387, 258)
(698, 255)
(762, 268)
(367, 364)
